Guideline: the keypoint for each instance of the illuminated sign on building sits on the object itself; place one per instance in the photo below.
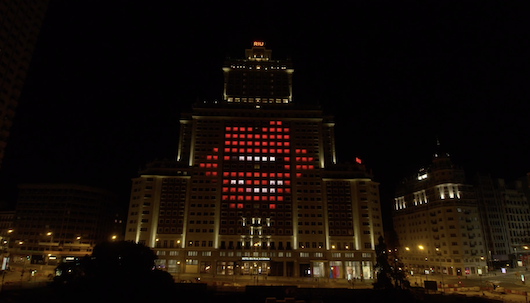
(258, 43)
(255, 259)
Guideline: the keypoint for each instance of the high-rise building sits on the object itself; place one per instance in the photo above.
(256, 188)
(437, 221)
(505, 216)
(20, 23)
(57, 222)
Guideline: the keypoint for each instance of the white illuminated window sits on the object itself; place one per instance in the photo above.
(256, 190)
(272, 182)
(241, 182)
(249, 158)
(273, 158)
(241, 158)
(256, 158)
(280, 182)
(249, 190)
(272, 190)
(233, 181)
(264, 190)
(264, 159)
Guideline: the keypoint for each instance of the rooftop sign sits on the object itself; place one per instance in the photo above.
(258, 43)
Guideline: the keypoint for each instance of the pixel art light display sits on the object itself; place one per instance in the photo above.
(266, 171)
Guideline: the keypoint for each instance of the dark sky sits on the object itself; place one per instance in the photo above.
(109, 80)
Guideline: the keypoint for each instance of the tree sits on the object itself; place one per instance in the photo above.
(383, 268)
(115, 272)
(389, 269)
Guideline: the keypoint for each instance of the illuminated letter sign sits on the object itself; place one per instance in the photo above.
(258, 43)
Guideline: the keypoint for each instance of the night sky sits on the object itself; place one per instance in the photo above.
(109, 80)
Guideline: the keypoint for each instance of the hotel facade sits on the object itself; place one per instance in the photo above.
(256, 188)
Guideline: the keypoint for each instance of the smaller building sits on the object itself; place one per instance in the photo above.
(59, 222)
(6, 229)
(505, 216)
(437, 222)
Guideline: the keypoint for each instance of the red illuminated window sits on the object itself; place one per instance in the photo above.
(228, 128)
(257, 143)
(232, 205)
(272, 129)
(272, 206)
(232, 198)
(201, 165)
(278, 129)
(240, 205)
(298, 166)
(233, 174)
(227, 157)
(286, 137)
(227, 150)
(279, 151)
(225, 174)
(287, 182)
(280, 198)
(280, 175)
(208, 173)
(273, 143)
(240, 190)
(257, 136)
(298, 175)
(304, 151)
(249, 150)
(287, 166)
(209, 165)
(240, 174)
(240, 198)
(249, 129)
(273, 198)
(225, 198)
(227, 142)
(234, 150)
(278, 122)
(297, 151)
(232, 189)
(236, 129)
(256, 198)
(215, 157)
(263, 137)
(285, 130)
(285, 151)
(287, 190)
(208, 157)
(264, 129)
(214, 173)
(235, 136)
(241, 150)
(272, 136)
(265, 143)
(287, 175)
(248, 182)
(248, 198)
(227, 135)
(248, 174)
(272, 122)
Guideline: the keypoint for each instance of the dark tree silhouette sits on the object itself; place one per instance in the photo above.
(115, 272)
(383, 268)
